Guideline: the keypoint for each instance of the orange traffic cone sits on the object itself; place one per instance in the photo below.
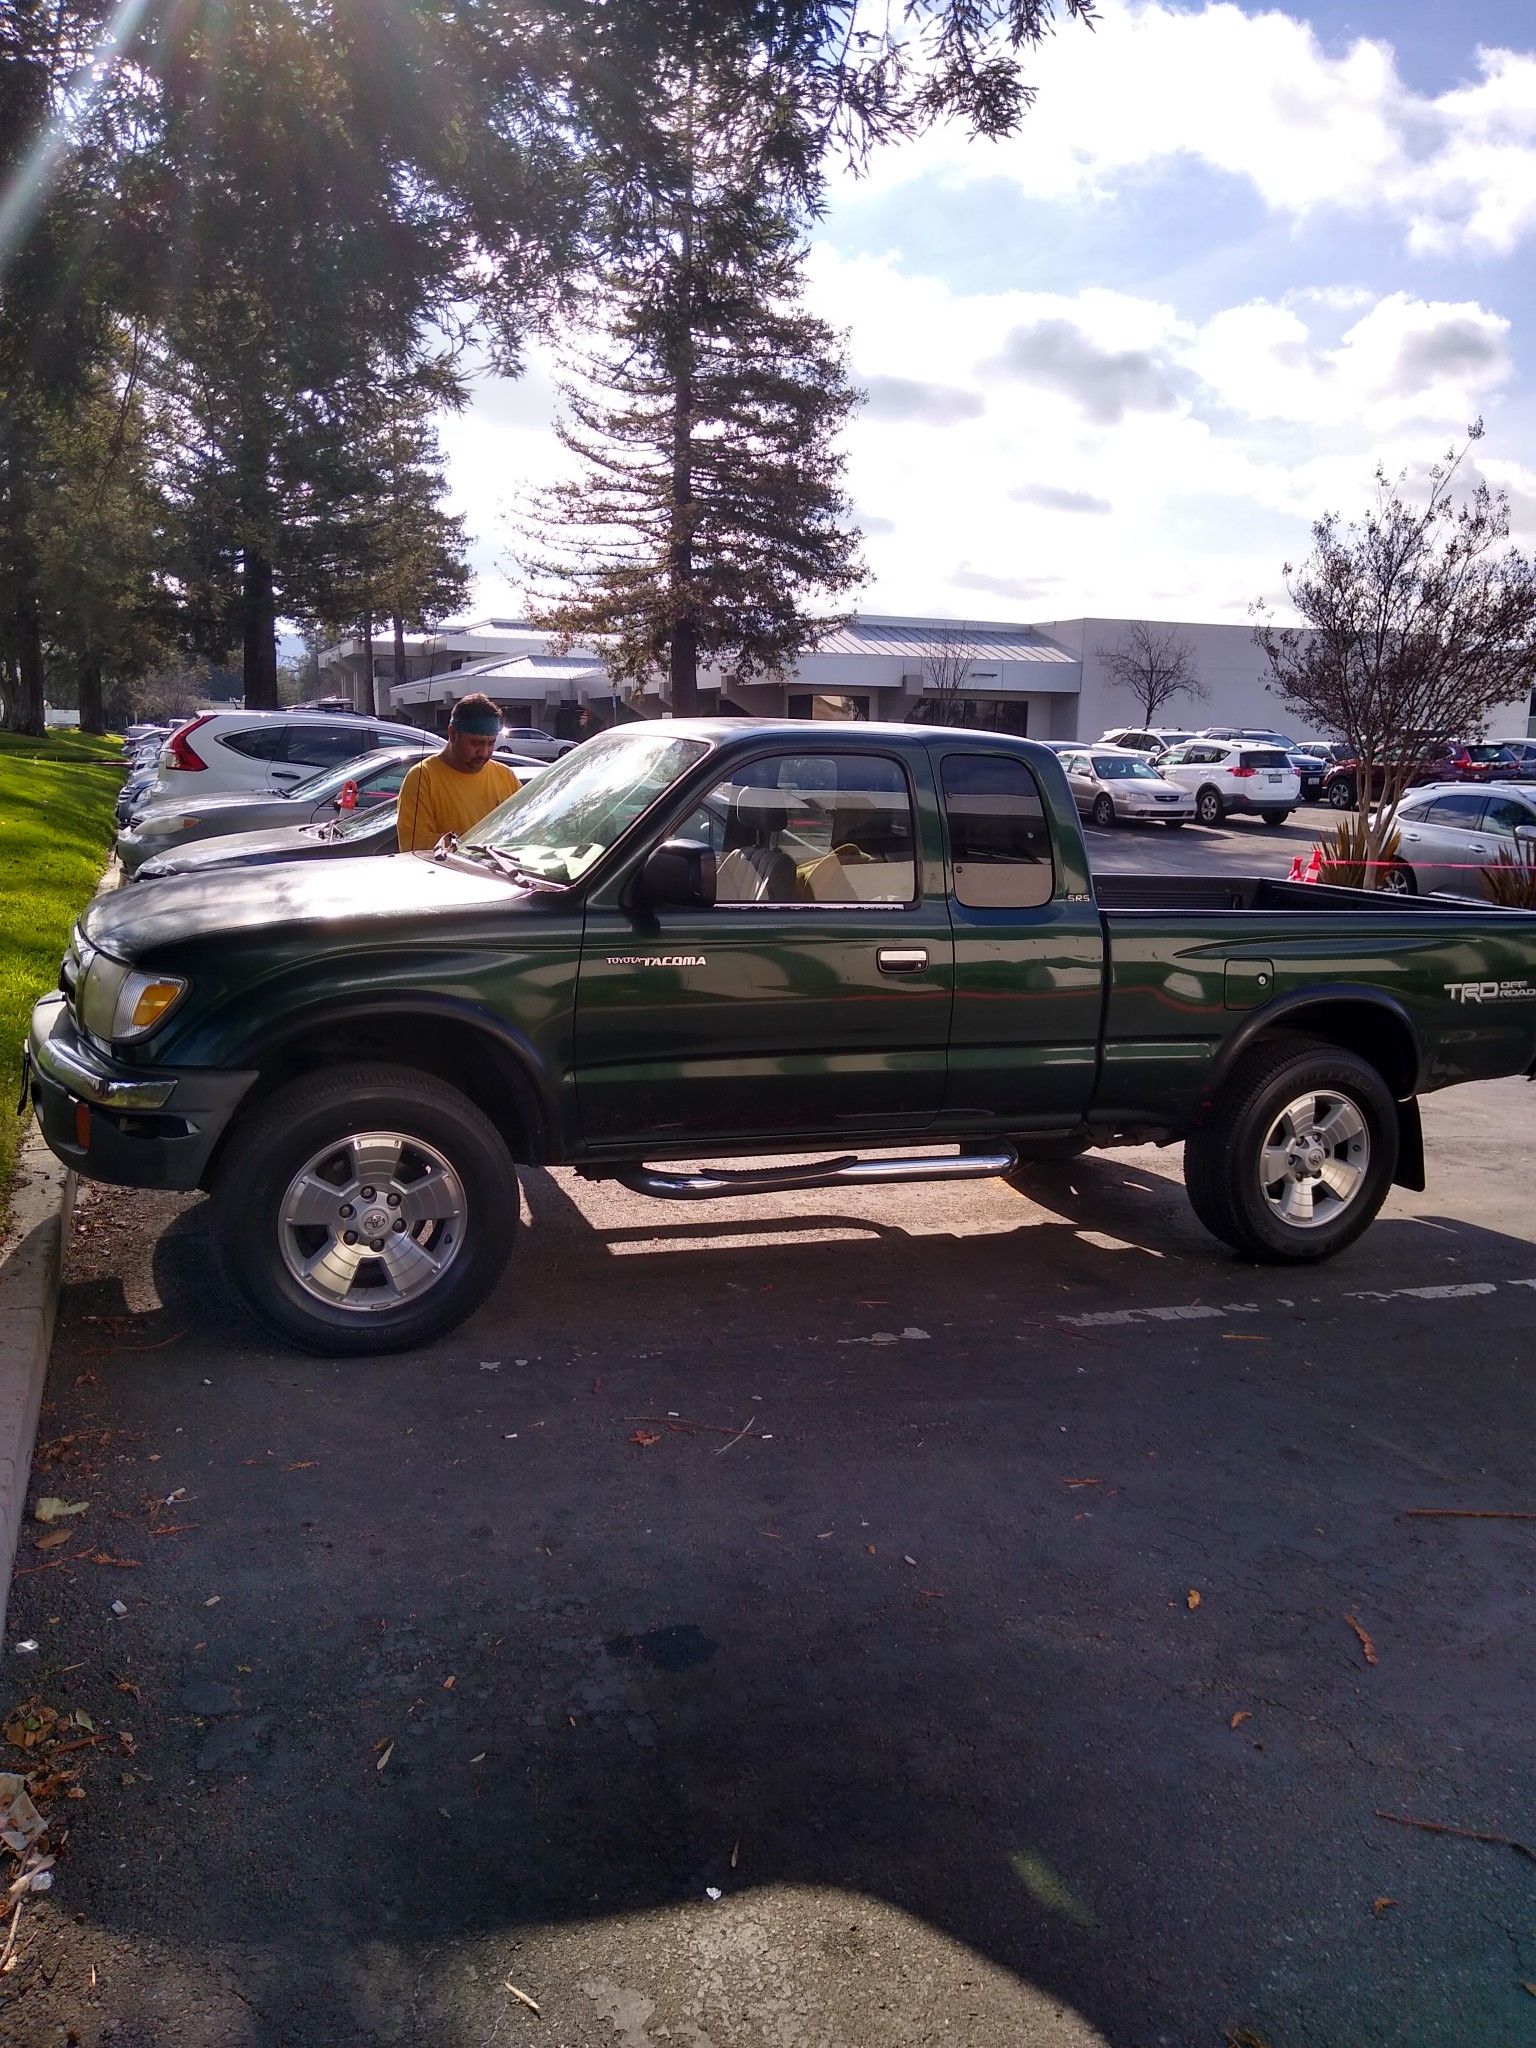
(347, 801)
(1314, 866)
(1296, 875)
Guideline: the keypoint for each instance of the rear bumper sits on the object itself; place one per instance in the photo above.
(137, 1128)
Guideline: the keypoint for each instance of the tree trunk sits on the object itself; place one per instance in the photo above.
(683, 645)
(92, 711)
(260, 637)
(30, 716)
(400, 676)
(365, 700)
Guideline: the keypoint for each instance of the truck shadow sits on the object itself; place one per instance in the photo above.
(923, 1637)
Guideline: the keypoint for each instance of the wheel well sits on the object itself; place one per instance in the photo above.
(467, 1059)
(1372, 1033)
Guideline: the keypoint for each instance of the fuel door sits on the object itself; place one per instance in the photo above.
(1248, 983)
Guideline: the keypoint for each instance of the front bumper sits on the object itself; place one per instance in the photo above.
(137, 1128)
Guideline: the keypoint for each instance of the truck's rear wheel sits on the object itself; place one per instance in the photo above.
(365, 1209)
(1298, 1155)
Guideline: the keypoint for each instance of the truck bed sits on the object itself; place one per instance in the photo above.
(1160, 892)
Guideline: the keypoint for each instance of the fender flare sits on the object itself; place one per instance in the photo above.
(1281, 1010)
(533, 1091)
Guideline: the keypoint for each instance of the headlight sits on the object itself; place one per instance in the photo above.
(156, 827)
(118, 1003)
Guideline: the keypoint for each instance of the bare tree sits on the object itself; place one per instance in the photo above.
(1419, 620)
(1155, 664)
(948, 658)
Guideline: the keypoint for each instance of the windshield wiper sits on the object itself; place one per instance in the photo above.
(509, 864)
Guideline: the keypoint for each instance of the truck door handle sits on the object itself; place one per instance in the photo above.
(901, 959)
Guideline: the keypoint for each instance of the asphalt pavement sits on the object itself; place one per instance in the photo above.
(988, 1614)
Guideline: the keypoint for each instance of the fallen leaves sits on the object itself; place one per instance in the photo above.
(122, 1564)
(644, 1438)
(384, 1756)
(1379, 1906)
(1243, 1714)
(55, 1537)
(523, 1998)
(52, 1509)
(1192, 1597)
(1365, 1642)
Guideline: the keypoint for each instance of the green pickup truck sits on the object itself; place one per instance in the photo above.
(690, 941)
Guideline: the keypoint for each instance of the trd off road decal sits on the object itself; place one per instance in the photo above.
(1490, 991)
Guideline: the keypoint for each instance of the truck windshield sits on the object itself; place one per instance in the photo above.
(559, 825)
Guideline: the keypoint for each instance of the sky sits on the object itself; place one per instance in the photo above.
(1116, 364)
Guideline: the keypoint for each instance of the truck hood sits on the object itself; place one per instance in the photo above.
(133, 922)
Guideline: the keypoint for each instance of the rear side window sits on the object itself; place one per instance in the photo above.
(1265, 757)
(326, 746)
(999, 843)
(258, 743)
(1460, 807)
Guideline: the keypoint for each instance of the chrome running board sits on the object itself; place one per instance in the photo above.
(846, 1171)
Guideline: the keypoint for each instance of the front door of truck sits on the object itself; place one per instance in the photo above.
(1029, 951)
(812, 1000)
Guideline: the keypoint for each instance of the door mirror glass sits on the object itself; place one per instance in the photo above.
(679, 874)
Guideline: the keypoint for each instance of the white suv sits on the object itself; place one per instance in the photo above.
(261, 750)
(1234, 775)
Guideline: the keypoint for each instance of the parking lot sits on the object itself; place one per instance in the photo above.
(981, 1614)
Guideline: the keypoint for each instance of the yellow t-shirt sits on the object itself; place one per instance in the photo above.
(435, 799)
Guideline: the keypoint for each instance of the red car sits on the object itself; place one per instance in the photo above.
(1440, 761)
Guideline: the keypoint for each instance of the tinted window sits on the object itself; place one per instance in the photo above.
(1505, 814)
(999, 844)
(1460, 807)
(326, 746)
(1264, 757)
(259, 743)
(810, 828)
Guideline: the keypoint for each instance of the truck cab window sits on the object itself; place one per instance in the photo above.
(999, 842)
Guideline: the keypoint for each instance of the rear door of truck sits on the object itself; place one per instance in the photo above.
(1029, 948)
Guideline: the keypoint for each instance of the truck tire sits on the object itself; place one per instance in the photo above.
(1103, 810)
(364, 1209)
(1209, 808)
(1322, 1124)
(1274, 817)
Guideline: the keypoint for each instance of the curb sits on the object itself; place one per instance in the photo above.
(31, 1262)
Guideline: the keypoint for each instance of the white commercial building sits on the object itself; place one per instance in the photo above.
(1048, 680)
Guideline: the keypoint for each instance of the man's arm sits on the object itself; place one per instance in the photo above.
(416, 825)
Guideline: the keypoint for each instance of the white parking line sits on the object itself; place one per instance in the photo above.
(1202, 1311)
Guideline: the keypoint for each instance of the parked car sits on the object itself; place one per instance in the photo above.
(356, 1064)
(1450, 835)
(537, 745)
(1111, 785)
(1148, 740)
(1487, 761)
(269, 750)
(373, 830)
(1309, 765)
(1231, 775)
(166, 827)
(1430, 761)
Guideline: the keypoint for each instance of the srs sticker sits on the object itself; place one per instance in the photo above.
(1490, 991)
(657, 960)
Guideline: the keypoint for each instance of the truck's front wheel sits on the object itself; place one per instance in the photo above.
(1298, 1154)
(365, 1209)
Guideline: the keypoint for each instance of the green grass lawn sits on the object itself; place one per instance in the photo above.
(56, 798)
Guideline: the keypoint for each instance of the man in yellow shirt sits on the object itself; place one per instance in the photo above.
(455, 789)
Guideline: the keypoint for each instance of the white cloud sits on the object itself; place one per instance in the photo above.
(1258, 96)
(1203, 448)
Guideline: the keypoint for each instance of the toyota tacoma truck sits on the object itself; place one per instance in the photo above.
(877, 951)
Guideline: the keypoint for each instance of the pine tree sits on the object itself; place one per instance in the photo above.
(707, 510)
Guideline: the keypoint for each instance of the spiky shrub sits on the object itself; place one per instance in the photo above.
(1349, 861)
(1511, 880)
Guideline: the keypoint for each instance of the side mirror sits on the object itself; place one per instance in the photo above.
(679, 874)
(1526, 834)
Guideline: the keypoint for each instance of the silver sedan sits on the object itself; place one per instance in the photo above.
(1111, 784)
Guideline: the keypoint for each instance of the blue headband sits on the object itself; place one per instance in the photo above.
(482, 724)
